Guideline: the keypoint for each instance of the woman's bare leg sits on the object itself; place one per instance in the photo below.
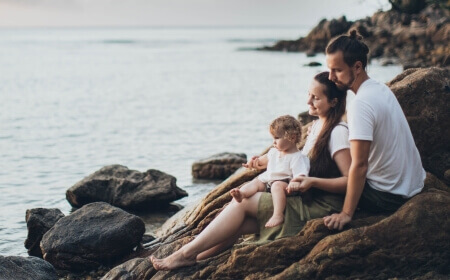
(249, 226)
(278, 190)
(225, 226)
(248, 189)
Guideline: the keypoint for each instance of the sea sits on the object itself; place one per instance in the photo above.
(76, 99)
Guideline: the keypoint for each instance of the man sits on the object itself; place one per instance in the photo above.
(386, 169)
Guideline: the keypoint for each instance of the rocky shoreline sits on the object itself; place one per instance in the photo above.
(102, 241)
(104, 238)
(412, 40)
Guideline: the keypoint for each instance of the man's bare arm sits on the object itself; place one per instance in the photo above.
(359, 150)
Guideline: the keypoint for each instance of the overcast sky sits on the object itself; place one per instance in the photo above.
(19, 13)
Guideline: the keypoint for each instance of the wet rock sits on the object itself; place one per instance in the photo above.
(39, 221)
(29, 268)
(313, 64)
(127, 189)
(424, 99)
(218, 166)
(95, 234)
(135, 269)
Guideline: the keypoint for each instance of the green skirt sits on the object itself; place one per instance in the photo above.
(299, 210)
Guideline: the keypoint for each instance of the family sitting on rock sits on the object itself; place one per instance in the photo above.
(372, 164)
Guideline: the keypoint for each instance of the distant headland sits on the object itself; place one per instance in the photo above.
(414, 34)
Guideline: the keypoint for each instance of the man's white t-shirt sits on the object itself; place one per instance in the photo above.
(394, 161)
(282, 167)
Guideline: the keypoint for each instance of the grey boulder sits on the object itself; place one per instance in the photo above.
(127, 189)
(95, 234)
(218, 166)
(26, 268)
(39, 221)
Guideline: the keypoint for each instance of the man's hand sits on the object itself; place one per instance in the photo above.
(337, 221)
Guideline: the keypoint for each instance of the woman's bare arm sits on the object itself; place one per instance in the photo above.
(333, 185)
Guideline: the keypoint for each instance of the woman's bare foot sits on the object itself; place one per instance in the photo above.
(274, 221)
(236, 193)
(173, 261)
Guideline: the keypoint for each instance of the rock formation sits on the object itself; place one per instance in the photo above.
(30, 268)
(95, 234)
(39, 221)
(414, 40)
(219, 166)
(127, 189)
(424, 97)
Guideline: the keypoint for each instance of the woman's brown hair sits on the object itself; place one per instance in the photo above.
(320, 153)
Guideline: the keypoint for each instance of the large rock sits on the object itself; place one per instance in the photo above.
(39, 221)
(412, 242)
(30, 268)
(219, 166)
(424, 97)
(127, 189)
(95, 234)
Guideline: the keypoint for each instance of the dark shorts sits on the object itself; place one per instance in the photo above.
(379, 202)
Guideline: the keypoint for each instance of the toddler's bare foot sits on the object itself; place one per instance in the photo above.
(236, 193)
(275, 221)
(173, 261)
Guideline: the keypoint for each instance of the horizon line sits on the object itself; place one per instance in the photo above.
(160, 26)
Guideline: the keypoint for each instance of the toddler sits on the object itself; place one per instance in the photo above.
(283, 162)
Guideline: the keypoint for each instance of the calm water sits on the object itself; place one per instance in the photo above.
(75, 100)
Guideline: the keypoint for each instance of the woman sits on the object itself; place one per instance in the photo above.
(327, 147)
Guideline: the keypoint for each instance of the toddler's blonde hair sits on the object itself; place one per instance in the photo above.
(288, 126)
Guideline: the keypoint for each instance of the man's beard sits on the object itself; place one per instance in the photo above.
(348, 85)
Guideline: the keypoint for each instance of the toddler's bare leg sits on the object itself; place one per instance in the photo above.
(278, 190)
(248, 190)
